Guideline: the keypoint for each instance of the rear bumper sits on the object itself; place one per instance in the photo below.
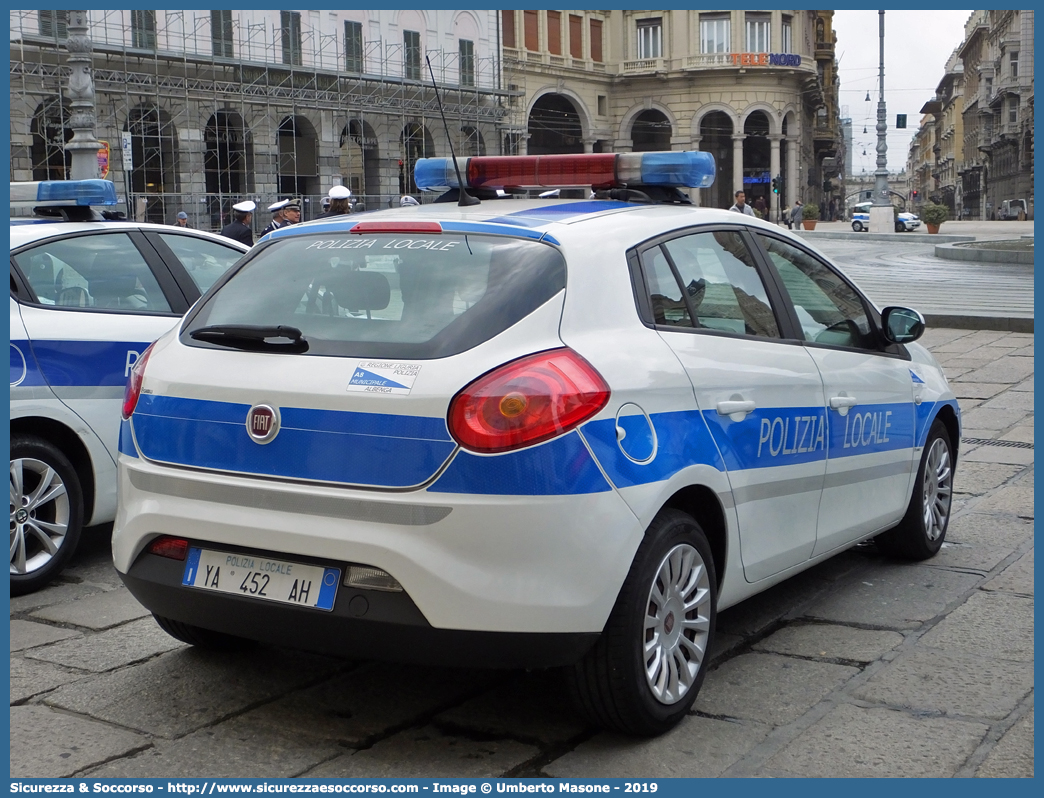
(363, 624)
(544, 564)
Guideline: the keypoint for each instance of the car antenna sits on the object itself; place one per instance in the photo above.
(464, 198)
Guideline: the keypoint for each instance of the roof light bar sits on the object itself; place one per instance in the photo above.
(397, 227)
(598, 170)
(64, 192)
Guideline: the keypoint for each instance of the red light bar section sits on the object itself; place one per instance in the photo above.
(540, 171)
(397, 227)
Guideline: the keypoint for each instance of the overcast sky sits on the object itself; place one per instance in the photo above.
(917, 45)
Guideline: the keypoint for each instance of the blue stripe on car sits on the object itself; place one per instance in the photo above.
(789, 436)
(24, 369)
(77, 363)
(320, 445)
(560, 467)
(926, 414)
(682, 440)
(127, 440)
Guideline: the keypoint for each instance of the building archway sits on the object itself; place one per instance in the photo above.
(651, 131)
(154, 149)
(716, 138)
(757, 157)
(298, 157)
(50, 131)
(414, 143)
(358, 160)
(554, 126)
(228, 164)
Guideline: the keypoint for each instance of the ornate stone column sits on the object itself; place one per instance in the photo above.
(793, 179)
(737, 163)
(83, 146)
(695, 194)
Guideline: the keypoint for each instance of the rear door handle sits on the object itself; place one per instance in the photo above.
(842, 403)
(737, 410)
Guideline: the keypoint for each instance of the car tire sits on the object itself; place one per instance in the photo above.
(46, 512)
(920, 534)
(900, 227)
(857, 227)
(643, 674)
(202, 638)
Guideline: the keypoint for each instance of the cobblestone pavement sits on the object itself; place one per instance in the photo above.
(859, 667)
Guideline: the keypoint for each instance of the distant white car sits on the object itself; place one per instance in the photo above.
(904, 222)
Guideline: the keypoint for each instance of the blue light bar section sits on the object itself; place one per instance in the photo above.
(691, 169)
(67, 192)
(437, 173)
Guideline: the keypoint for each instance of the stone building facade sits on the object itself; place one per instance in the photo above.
(224, 105)
(758, 90)
(937, 149)
(996, 167)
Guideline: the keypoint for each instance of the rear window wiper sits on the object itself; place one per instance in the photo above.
(255, 337)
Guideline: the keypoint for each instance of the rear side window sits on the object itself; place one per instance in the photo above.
(388, 295)
(93, 271)
(204, 260)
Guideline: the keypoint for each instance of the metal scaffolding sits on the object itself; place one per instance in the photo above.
(222, 106)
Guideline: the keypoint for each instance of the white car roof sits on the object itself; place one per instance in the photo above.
(27, 230)
(534, 217)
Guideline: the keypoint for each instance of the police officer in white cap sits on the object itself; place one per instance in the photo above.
(278, 219)
(239, 228)
(406, 200)
(339, 201)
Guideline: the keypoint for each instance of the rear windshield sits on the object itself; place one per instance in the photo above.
(387, 295)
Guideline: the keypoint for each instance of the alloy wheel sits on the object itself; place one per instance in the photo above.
(39, 514)
(938, 489)
(677, 624)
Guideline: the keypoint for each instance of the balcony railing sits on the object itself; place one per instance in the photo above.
(708, 61)
(645, 65)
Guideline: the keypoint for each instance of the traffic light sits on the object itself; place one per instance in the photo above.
(775, 185)
(900, 120)
(915, 194)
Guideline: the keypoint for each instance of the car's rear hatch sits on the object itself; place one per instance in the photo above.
(349, 349)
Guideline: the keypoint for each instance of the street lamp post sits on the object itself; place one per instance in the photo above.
(881, 216)
(83, 146)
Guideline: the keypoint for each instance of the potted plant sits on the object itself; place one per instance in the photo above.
(809, 215)
(933, 215)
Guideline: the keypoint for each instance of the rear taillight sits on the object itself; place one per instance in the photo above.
(174, 548)
(133, 389)
(527, 401)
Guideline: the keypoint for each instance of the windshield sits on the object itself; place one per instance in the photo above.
(386, 295)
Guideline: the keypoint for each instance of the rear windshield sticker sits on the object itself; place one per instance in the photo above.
(432, 244)
(378, 376)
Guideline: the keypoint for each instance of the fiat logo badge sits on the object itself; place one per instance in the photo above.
(262, 423)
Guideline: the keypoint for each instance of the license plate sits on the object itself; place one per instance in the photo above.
(262, 578)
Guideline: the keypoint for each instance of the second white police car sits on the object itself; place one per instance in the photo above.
(89, 293)
(525, 433)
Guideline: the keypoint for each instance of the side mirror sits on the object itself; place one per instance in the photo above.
(902, 325)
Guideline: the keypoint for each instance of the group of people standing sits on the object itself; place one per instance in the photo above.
(284, 212)
(791, 217)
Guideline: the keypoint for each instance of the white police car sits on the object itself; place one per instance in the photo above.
(905, 222)
(525, 433)
(88, 295)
